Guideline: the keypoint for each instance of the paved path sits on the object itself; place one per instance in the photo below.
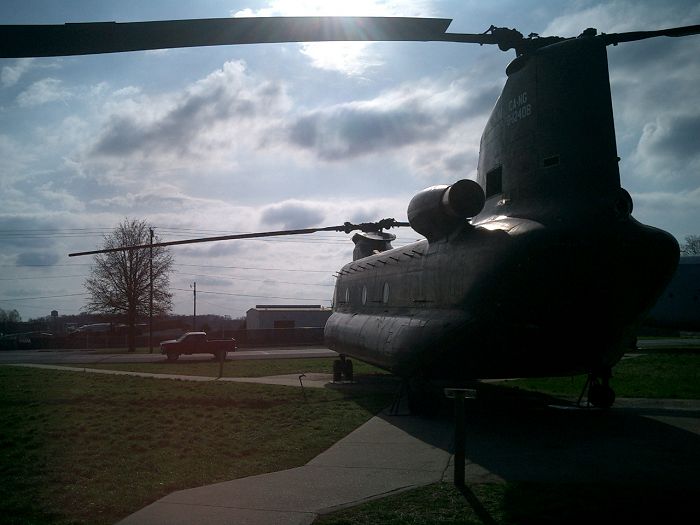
(312, 380)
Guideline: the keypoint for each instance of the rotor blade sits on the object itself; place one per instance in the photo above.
(616, 38)
(18, 41)
(347, 228)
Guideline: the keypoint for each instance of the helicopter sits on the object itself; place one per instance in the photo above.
(512, 265)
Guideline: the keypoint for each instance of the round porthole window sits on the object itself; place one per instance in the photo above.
(364, 295)
(385, 293)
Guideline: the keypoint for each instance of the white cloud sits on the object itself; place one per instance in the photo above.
(43, 92)
(620, 16)
(10, 75)
(207, 121)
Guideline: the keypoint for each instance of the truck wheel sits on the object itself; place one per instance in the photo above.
(172, 356)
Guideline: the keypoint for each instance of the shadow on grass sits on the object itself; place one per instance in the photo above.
(476, 505)
(521, 436)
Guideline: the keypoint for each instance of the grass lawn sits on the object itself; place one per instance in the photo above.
(239, 368)
(664, 375)
(523, 503)
(90, 448)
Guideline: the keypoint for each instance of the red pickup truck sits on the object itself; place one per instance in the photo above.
(196, 343)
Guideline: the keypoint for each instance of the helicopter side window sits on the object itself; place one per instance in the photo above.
(494, 182)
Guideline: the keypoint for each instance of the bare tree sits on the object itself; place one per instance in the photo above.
(8, 320)
(120, 281)
(691, 246)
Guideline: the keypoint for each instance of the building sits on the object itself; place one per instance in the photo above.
(287, 316)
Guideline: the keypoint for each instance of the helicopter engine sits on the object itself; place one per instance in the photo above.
(438, 211)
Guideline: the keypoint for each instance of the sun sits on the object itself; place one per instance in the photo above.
(350, 58)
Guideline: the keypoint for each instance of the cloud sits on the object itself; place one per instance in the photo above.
(675, 212)
(37, 259)
(398, 118)
(667, 152)
(213, 249)
(672, 137)
(621, 16)
(209, 116)
(43, 92)
(10, 75)
(293, 215)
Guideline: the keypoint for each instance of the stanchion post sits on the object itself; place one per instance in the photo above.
(459, 394)
(222, 358)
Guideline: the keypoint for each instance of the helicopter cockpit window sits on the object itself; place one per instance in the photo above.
(494, 182)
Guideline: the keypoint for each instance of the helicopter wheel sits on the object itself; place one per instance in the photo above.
(348, 371)
(337, 371)
(600, 395)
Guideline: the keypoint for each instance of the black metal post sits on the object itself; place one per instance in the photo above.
(222, 358)
(194, 313)
(459, 394)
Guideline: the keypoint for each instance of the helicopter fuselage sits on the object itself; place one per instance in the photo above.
(552, 277)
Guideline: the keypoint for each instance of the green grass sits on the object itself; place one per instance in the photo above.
(239, 368)
(90, 448)
(664, 375)
(523, 503)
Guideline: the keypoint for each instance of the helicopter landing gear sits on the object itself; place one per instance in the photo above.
(600, 394)
(343, 370)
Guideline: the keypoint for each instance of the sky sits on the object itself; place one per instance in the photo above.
(217, 140)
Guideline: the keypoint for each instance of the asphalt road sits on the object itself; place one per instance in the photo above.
(91, 357)
(290, 352)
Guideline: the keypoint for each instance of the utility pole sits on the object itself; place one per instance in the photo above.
(194, 316)
(150, 308)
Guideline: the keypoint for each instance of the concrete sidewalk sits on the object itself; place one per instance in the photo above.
(377, 459)
(309, 380)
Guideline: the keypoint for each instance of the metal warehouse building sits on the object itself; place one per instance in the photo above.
(287, 316)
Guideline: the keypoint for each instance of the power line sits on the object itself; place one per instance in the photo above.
(250, 280)
(254, 268)
(43, 297)
(39, 277)
(41, 265)
(176, 264)
(258, 296)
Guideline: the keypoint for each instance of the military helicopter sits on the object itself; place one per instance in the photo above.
(536, 269)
